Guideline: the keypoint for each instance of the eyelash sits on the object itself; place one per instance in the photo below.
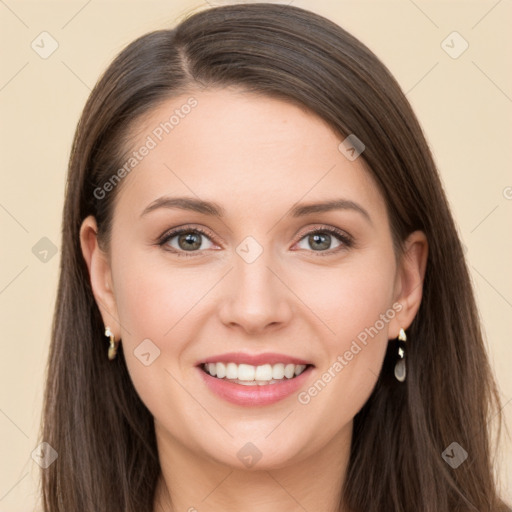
(347, 241)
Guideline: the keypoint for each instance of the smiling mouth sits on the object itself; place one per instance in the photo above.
(249, 375)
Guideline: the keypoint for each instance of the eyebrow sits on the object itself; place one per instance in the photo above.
(214, 209)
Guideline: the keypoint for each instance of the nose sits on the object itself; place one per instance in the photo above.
(254, 296)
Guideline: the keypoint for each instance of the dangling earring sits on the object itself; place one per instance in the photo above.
(400, 371)
(112, 349)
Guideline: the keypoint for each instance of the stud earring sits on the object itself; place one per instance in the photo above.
(112, 349)
(400, 370)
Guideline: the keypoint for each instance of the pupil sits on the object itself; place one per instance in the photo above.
(317, 237)
(191, 241)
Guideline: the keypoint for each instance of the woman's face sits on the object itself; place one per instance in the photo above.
(265, 276)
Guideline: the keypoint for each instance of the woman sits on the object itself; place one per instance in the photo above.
(263, 300)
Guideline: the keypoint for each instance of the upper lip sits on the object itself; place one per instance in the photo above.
(254, 359)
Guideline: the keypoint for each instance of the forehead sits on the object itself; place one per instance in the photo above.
(241, 150)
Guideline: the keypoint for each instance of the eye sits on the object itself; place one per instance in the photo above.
(185, 240)
(320, 240)
(189, 241)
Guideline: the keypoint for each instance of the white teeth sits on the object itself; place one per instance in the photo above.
(278, 371)
(263, 372)
(289, 371)
(299, 369)
(254, 375)
(220, 370)
(245, 371)
(231, 371)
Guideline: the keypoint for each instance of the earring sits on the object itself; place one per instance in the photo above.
(400, 371)
(112, 349)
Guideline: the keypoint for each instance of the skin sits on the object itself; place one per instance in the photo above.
(256, 157)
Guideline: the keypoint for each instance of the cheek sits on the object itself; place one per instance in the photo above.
(350, 299)
(357, 309)
(153, 298)
(154, 302)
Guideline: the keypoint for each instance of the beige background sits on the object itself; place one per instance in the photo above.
(464, 105)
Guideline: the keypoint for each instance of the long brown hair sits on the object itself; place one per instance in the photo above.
(93, 417)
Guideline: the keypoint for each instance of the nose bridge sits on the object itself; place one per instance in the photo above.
(255, 297)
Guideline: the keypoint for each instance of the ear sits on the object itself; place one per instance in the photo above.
(100, 275)
(409, 281)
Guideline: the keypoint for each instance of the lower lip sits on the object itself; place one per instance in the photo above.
(255, 395)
